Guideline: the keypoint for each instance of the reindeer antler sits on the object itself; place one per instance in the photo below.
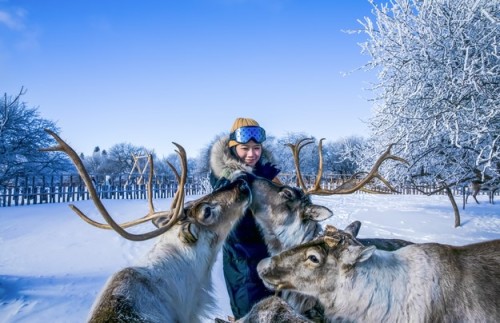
(296, 148)
(351, 185)
(177, 205)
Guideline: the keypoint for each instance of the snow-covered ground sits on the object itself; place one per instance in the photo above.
(52, 264)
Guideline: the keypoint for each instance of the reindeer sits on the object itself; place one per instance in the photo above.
(476, 186)
(351, 185)
(173, 282)
(481, 182)
(287, 217)
(427, 282)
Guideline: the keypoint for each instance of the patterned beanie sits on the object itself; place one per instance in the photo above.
(238, 123)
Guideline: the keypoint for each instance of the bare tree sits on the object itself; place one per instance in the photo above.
(21, 135)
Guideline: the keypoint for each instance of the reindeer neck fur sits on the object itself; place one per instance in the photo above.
(370, 284)
(170, 250)
(421, 283)
(161, 279)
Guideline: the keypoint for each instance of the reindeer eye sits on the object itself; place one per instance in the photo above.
(287, 194)
(207, 212)
(313, 259)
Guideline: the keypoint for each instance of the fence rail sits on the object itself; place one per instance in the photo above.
(61, 189)
(70, 188)
(13, 196)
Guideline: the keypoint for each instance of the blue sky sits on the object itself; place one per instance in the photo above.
(152, 72)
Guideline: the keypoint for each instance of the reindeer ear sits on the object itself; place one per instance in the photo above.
(188, 233)
(317, 212)
(157, 222)
(353, 228)
(366, 253)
(355, 254)
(331, 241)
(162, 220)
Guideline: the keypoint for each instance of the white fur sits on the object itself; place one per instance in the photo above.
(418, 283)
(173, 283)
(180, 274)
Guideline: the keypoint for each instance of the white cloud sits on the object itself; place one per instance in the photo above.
(25, 37)
(13, 21)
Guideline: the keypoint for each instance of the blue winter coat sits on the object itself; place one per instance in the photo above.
(243, 249)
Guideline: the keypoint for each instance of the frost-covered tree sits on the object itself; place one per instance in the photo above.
(308, 155)
(438, 89)
(120, 157)
(117, 163)
(282, 153)
(95, 162)
(173, 159)
(349, 155)
(21, 136)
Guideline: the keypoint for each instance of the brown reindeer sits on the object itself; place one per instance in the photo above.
(173, 282)
(427, 282)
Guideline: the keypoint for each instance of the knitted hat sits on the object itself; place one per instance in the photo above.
(238, 123)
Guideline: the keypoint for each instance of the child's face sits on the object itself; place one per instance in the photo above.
(249, 153)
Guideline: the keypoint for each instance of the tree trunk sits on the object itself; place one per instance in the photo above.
(454, 204)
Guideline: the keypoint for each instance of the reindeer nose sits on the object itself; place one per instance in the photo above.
(263, 265)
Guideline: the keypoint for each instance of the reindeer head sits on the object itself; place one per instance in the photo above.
(212, 215)
(285, 214)
(311, 268)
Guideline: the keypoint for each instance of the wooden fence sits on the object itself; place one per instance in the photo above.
(70, 188)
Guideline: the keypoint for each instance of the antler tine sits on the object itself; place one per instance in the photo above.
(349, 186)
(123, 225)
(151, 215)
(383, 180)
(296, 152)
(64, 147)
(320, 166)
(179, 195)
(150, 185)
(178, 178)
(374, 171)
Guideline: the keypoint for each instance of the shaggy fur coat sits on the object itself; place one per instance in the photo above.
(223, 162)
(244, 247)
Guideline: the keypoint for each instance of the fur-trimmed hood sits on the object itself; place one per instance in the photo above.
(223, 163)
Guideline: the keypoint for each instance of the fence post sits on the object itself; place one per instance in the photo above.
(11, 193)
(17, 191)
